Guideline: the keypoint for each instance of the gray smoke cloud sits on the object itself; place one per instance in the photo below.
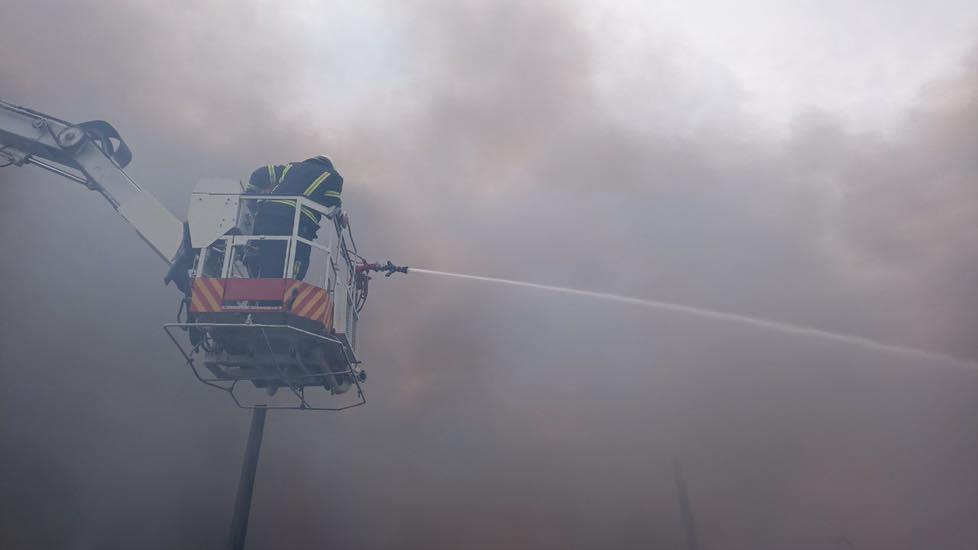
(498, 418)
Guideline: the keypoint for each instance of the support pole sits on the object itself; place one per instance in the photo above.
(685, 507)
(242, 504)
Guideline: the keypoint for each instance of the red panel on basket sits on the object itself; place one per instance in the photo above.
(254, 289)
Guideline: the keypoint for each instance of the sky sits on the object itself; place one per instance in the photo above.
(808, 163)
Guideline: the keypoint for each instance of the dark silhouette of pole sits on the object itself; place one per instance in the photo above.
(242, 503)
(689, 522)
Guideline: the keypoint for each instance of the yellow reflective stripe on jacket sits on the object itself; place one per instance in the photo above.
(309, 214)
(315, 184)
(271, 174)
(334, 194)
(286, 171)
(283, 201)
(291, 204)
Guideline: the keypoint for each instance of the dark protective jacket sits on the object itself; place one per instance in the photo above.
(315, 178)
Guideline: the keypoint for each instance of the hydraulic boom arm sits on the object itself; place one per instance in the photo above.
(93, 154)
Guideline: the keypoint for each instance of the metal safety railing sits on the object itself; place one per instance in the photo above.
(329, 264)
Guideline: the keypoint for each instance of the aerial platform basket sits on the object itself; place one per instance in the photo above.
(285, 339)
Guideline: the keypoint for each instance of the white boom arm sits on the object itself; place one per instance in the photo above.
(93, 154)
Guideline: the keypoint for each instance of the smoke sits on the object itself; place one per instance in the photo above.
(495, 138)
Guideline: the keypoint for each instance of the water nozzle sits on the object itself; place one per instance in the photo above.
(388, 269)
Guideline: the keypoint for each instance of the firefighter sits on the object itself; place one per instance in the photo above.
(315, 179)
